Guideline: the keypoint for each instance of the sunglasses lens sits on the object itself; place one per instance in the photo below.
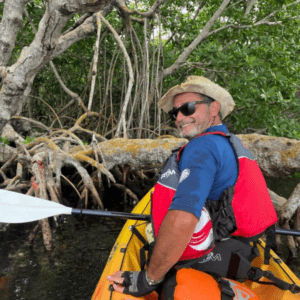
(186, 109)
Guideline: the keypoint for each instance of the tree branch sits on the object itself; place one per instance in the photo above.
(87, 28)
(95, 61)
(11, 21)
(288, 209)
(277, 10)
(236, 3)
(2, 71)
(55, 114)
(194, 17)
(249, 26)
(122, 121)
(250, 4)
(69, 92)
(34, 57)
(141, 21)
(297, 86)
(31, 60)
(203, 34)
(148, 14)
(36, 123)
(67, 7)
(78, 22)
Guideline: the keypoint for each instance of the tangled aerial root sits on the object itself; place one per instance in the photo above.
(36, 168)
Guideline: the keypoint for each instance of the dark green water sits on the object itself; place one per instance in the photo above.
(71, 271)
(282, 186)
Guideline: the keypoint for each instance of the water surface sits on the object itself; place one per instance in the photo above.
(70, 271)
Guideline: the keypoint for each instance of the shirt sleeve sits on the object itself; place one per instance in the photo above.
(198, 166)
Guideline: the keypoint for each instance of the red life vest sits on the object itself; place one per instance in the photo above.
(250, 203)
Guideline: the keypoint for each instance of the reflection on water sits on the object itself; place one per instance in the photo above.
(71, 271)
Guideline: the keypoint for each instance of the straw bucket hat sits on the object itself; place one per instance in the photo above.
(202, 85)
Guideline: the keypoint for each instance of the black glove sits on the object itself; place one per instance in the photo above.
(136, 284)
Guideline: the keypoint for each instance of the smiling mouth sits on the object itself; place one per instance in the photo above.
(186, 125)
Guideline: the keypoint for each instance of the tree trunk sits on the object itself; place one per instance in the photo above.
(33, 58)
(276, 156)
(9, 27)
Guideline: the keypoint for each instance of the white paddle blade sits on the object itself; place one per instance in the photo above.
(20, 208)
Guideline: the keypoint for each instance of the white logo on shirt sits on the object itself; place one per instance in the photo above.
(167, 174)
(184, 175)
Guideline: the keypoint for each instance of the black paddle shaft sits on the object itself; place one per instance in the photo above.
(287, 231)
(103, 213)
(140, 217)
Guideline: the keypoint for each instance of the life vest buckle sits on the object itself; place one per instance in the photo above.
(227, 212)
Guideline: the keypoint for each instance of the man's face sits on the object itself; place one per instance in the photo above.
(199, 121)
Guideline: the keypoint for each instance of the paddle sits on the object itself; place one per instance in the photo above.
(20, 208)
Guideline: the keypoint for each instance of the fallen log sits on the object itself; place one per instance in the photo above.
(276, 156)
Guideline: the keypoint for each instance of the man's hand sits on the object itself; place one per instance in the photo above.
(174, 234)
(131, 283)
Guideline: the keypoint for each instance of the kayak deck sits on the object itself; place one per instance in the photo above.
(125, 255)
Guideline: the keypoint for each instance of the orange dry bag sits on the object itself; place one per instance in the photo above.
(196, 285)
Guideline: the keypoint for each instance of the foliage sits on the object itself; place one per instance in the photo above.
(297, 175)
(28, 140)
(258, 64)
(3, 141)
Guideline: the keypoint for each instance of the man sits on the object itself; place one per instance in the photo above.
(206, 167)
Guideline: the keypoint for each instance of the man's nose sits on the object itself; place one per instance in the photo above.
(179, 117)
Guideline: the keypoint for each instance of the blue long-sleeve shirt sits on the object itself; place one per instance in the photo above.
(208, 166)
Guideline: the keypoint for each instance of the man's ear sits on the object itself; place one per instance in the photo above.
(215, 108)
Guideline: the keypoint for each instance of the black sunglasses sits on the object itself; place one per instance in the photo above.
(186, 109)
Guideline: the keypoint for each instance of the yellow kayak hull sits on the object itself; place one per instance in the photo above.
(126, 251)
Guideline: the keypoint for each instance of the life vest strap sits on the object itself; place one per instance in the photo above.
(146, 247)
(239, 263)
(189, 263)
(227, 292)
(270, 243)
(222, 215)
(255, 274)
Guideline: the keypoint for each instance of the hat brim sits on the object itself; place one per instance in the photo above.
(200, 85)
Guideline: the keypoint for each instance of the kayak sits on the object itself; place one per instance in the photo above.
(126, 255)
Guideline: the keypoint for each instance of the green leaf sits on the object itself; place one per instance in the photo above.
(4, 141)
(28, 140)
